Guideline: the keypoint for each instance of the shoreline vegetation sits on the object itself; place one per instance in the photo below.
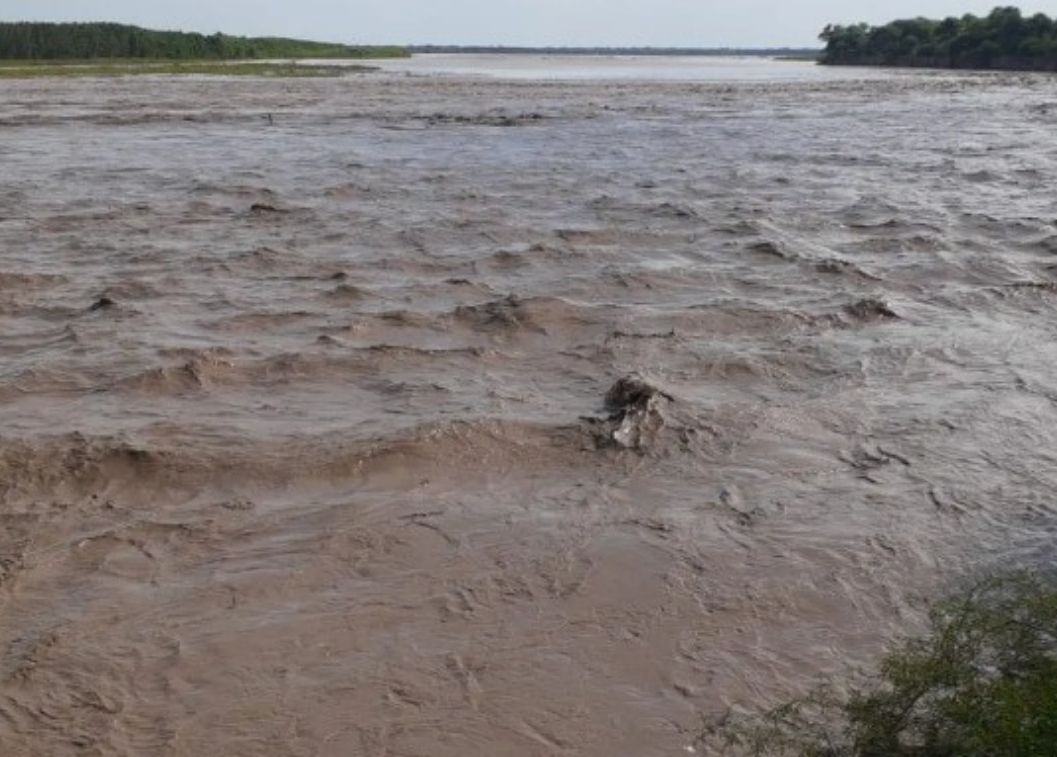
(149, 67)
(980, 682)
(28, 41)
(33, 50)
(1004, 40)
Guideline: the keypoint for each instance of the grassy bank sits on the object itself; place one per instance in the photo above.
(72, 69)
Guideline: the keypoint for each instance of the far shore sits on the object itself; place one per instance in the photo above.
(297, 67)
(30, 69)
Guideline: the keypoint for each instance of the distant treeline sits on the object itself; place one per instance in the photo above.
(781, 52)
(88, 41)
(1004, 39)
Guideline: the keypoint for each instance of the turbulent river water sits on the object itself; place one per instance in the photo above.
(464, 415)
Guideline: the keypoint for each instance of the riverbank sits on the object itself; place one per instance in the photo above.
(102, 41)
(115, 68)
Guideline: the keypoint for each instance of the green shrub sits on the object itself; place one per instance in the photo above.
(981, 682)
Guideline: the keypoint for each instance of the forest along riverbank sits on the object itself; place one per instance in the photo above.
(452, 416)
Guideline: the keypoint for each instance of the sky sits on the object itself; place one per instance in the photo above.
(681, 23)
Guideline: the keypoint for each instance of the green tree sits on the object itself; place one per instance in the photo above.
(1002, 39)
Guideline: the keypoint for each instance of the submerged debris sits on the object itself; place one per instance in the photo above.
(103, 303)
(488, 119)
(635, 415)
(833, 266)
(261, 208)
(871, 309)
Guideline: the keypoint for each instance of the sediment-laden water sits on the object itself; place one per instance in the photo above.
(399, 415)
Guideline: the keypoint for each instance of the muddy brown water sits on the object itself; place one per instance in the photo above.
(305, 446)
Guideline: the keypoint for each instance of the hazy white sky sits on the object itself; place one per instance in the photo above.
(691, 23)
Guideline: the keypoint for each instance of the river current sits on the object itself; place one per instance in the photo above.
(445, 410)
